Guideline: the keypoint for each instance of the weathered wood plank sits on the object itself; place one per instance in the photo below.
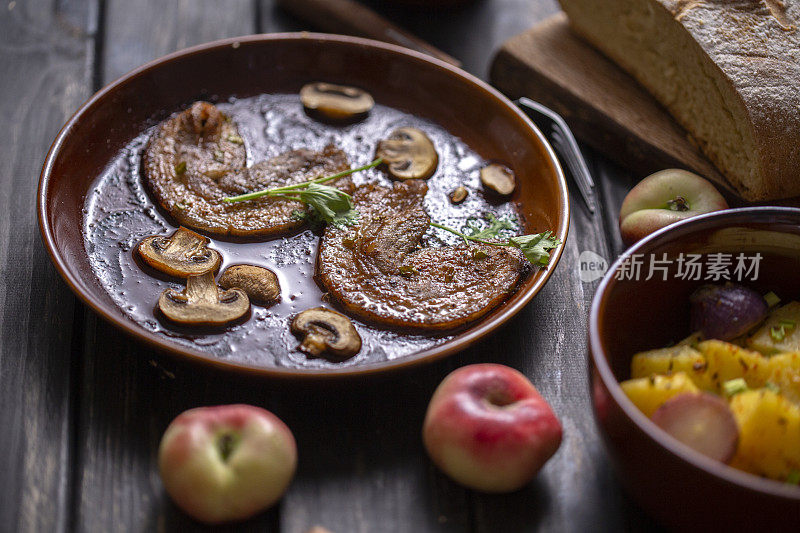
(613, 183)
(362, 465)
(474, 32)
(273, 19)
(137, 32)
(127, 398)
(45, 51)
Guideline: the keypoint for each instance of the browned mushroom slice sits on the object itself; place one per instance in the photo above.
(182, 254)
(336, 102)
(499, 178)
(408, 154)
(202, 303)
(261, 284)
(326, 333)
(458, 195)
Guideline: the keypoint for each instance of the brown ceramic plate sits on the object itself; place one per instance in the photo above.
(683, 488)
(265, 64)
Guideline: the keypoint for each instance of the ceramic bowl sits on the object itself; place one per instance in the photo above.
(677, 485)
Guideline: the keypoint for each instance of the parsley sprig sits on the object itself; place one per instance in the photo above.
(536, 248)
(333, 206)
(328, 204)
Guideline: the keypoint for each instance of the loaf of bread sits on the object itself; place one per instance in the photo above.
(727, 70)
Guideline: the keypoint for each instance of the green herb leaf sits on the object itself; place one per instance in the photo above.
(793, 478)
(342, 220)
(536, 248)
(772, 299)
(734, 386)
(291, 189)
(328, 204)
(492, 231)
(326, 200)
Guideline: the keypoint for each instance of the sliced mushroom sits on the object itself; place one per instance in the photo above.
(408, 154)
(182, 254)
(458, 195)
(261, 284)
(499, 178)
(326, 332)
(202, 303)
(336, 102)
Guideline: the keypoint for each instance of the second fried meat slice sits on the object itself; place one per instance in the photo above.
(379, 271)
(196, 158)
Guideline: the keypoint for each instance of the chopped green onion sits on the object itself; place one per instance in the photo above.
(734, 386)
(777, 333)
(788, 323)
(692, 340)
(794, 477)
(479, 254)
(772, 299)
(180, 168)
(772, 387)
(235, 139)
(407, 270)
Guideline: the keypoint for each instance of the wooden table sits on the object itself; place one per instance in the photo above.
(82, 407)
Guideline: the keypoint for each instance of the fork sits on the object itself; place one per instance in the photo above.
(556, 129)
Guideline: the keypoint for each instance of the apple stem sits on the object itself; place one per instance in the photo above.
(679, 203)
(226, 443)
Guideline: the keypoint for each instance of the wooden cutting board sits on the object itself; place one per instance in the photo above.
(604, 106)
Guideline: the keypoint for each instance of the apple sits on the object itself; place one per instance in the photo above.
(488, 428)
(664, 198)
(226, 463)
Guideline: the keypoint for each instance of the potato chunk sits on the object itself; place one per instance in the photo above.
(785, 340)
(726, 361)
(714, 362)
(769, 433)
(681, 358)
(784, 372)
(650, 393)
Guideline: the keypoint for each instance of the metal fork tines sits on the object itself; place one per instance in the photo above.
(564, 143)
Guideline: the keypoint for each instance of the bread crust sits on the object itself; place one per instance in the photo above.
(747, 51)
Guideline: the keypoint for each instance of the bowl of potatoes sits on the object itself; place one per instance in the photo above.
(694, 340)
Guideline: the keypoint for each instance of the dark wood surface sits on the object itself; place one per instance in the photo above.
(82, 407)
